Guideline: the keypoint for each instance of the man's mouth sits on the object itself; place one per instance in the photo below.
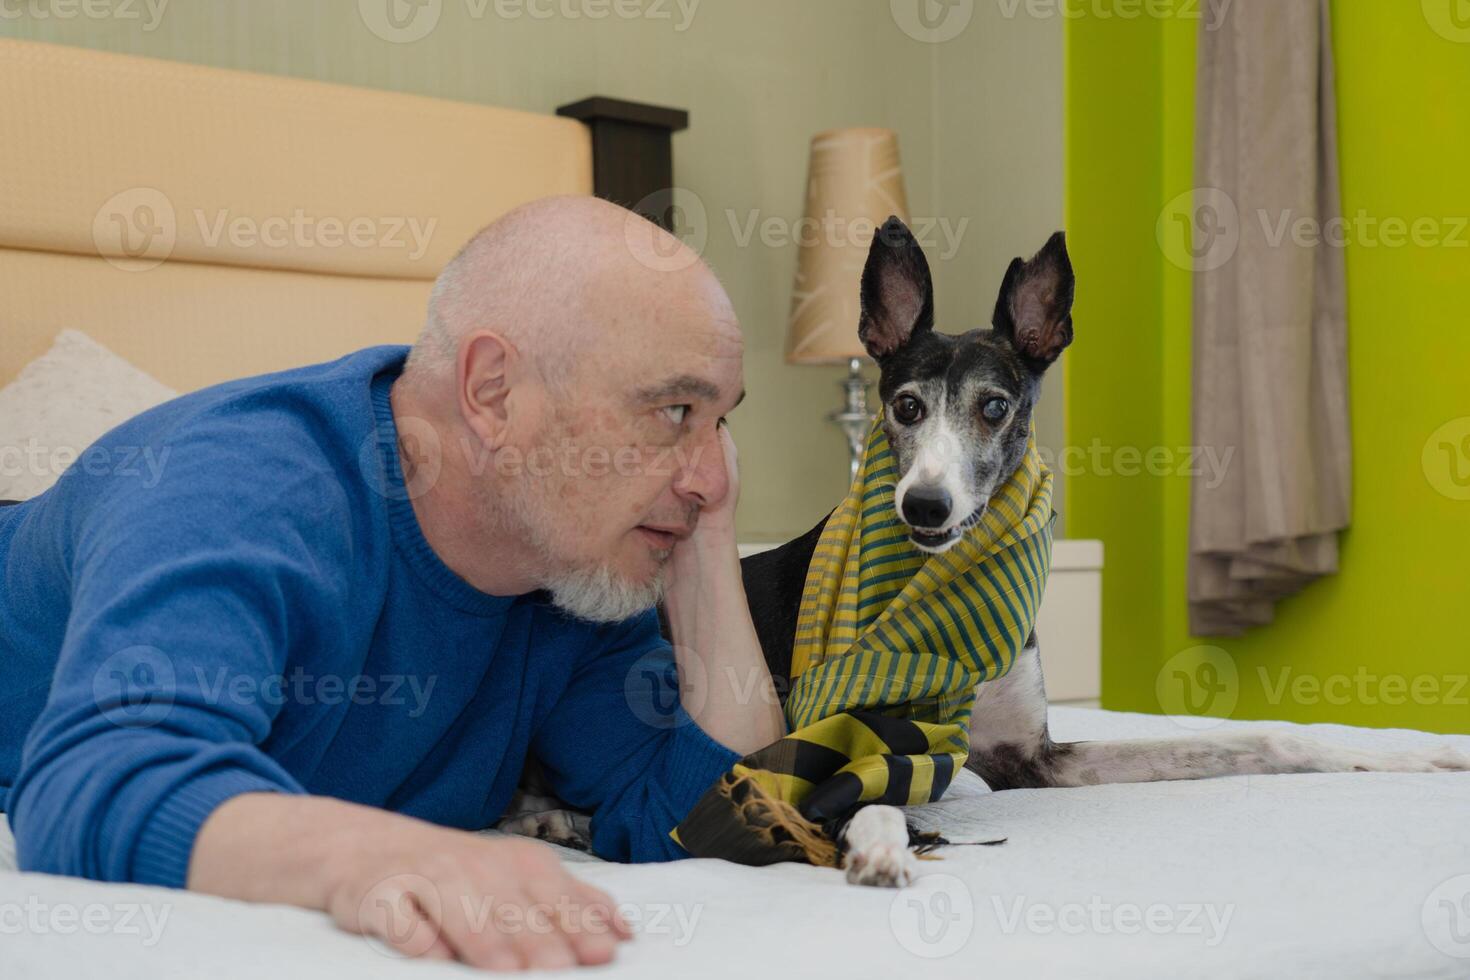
(662, 538)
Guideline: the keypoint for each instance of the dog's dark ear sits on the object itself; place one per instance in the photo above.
(897, 293)
(1034, 311)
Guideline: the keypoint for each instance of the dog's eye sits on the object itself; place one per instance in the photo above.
(676, 413)
(995, 409)
(907, 409)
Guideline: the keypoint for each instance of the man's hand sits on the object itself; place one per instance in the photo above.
(423, 890)
(724, 681)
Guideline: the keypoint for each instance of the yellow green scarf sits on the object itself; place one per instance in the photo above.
(890, 645)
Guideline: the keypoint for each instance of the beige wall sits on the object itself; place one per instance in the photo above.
(979, 118)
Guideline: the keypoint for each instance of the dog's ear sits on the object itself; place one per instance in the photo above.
(897, 294)
(1034, 311)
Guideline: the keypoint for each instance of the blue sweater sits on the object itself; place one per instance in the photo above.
(230, 594)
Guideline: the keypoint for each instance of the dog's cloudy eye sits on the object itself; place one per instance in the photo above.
(907, 409)
(676, 413)
(995, 409)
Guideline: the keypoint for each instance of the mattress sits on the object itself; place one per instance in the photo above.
(1281, 876)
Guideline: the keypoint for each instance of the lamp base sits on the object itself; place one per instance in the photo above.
(853, 418)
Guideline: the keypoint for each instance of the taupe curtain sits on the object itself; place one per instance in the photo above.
(1270, 333)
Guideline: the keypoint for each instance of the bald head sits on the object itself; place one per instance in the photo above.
(560, 279)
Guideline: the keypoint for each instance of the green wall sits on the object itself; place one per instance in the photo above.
(979, 117)
(1383, 643)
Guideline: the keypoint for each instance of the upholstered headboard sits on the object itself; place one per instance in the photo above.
(209, 224)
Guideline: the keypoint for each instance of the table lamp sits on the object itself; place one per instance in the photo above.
(854, 182)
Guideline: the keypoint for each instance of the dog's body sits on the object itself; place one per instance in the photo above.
(957, 413)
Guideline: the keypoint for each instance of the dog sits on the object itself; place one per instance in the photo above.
(957, 412)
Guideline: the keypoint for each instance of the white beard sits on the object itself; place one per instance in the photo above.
(599, 595)
(591, 592)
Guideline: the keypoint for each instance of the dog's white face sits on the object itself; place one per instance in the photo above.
(957, 409)
(957, 436)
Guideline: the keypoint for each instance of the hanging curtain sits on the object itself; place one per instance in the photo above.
(1270, 331)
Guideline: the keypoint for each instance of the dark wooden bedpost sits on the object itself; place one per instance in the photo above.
(632, 153)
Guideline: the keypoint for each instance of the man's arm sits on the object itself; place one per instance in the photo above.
(146, 763)
(723, 676)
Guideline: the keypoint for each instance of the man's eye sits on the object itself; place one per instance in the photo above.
(676, 413)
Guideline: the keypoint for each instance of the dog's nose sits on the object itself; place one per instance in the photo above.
(926, 507)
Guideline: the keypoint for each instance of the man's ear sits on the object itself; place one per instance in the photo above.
(1034, 310)
(484, 371)
(897, 293)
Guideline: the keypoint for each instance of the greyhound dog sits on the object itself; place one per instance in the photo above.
(957, 413)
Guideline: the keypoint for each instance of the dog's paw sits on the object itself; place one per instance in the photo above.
(1447, 758)
(877, 839)
(534, 818)
(883, 866)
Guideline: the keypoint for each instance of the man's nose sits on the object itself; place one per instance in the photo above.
(702, 475)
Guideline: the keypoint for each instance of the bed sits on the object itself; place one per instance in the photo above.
(1300, 876)
(123, 180)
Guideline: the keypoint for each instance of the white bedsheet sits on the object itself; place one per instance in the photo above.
(1283, 876)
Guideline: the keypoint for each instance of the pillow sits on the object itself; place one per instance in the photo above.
(60, 404)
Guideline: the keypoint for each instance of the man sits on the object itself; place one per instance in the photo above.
(363, 591)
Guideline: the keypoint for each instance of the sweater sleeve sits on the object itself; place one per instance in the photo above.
(620, 744)
(183, 595)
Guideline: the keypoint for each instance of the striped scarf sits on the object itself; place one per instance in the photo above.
(890, 645)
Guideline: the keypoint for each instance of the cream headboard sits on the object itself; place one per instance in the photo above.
(208, 224)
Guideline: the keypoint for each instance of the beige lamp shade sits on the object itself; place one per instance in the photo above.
(854, 182)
